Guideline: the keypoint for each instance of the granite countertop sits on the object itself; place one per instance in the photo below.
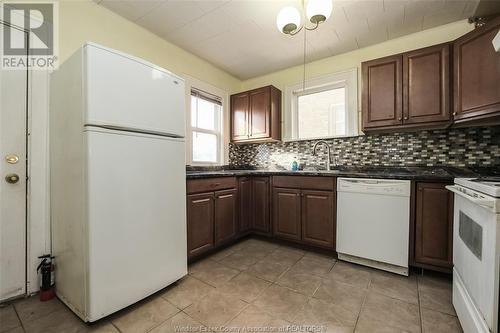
(410, 173)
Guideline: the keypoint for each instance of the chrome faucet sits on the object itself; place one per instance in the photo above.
(329, 152)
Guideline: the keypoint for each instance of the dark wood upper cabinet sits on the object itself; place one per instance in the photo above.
(225, 216)
(239, 117)
(260, 221)
(255, 115)
(200, 223)
(426, 85)
(246, 204)
(434, 226)
(318, 218)
(477, 74)
(286, 210)
(382, 96)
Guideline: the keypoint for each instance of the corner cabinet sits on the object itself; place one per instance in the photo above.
(477, 76)
(255, 115)
(407, 90)
(433, 246)
(254, 198)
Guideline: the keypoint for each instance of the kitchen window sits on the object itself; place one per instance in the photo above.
(325, 108)
(206, 128)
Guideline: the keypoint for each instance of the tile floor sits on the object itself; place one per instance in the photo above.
(258, 284)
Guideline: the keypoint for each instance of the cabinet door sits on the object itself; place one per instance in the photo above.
(225, 216)
(477, 73)
(246, 204)
(426, 85)
(200, 223)
(318, 218)
(261, 204)
(434, 225)
(239, 117)
(260, 113)
(286, 213)
(382, 92)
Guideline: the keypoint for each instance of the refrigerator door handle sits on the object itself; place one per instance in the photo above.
(135, 130)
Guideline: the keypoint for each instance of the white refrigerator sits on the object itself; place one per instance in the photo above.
(117, 162)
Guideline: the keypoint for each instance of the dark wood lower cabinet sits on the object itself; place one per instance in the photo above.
(260, 216)
(225, 216)
(286, 210)
(318, 218)
(433, 226)
(245, 204)
(200, 223)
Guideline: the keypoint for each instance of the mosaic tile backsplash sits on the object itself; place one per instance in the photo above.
(456, 147)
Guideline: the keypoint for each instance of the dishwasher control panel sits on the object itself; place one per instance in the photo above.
(394, 187)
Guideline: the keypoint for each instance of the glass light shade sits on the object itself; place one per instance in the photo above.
(288, 19)
(318, 11)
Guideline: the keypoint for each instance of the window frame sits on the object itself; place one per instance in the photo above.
(346, 79)
(223, 123)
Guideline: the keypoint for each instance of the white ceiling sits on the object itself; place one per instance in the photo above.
(240, 36)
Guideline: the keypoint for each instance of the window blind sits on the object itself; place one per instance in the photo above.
(206, 96)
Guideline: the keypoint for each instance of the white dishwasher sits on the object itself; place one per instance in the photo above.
(373, 222)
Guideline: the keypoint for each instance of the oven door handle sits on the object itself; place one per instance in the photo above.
(481, 202)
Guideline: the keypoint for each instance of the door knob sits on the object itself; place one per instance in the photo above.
(12, 178)
(12, 159)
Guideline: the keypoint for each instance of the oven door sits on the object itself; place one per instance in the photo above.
(475, 257)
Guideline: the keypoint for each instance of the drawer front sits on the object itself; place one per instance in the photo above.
(305, 182)
(210, 184)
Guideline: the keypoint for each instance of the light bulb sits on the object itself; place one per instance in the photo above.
(318, 11)
(288, 20)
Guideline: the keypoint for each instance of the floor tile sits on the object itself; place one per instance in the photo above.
(239, 260)
(259, 249)
(245, 287)
(181, 322)
(435, 294)
(254, 318)
(267, 269)
(315, 265)
(212, 272)
(281, 302)
(286, 255)
(215, 309)
(382, 313)
(145, 315)
(300, 281)
(325, 316)
(186, 292)
(344, 296)
(437, 322)
(59, 321)
(18, 329)
(355, 275)
(32, 308)
(102, 328)
(221, 254)
(403, 288)
(8, 318)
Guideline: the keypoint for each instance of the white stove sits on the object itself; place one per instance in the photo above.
(476, 253)
(486, 185)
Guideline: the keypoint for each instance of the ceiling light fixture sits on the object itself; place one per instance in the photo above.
(317, 11)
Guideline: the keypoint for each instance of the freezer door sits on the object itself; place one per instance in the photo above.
(136, 217)
(122, 91)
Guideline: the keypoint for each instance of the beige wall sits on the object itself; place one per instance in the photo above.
(293, 75)
(84, 20)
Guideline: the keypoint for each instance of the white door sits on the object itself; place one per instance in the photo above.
(136, 203)
(123, 91)
(13, 93)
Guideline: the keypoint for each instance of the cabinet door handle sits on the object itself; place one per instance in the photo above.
(405, 118)
(454, 113)
(400, 118)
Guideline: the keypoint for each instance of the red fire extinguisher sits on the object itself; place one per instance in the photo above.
(47, 279)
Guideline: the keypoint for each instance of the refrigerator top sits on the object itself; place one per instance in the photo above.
(131, 57)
